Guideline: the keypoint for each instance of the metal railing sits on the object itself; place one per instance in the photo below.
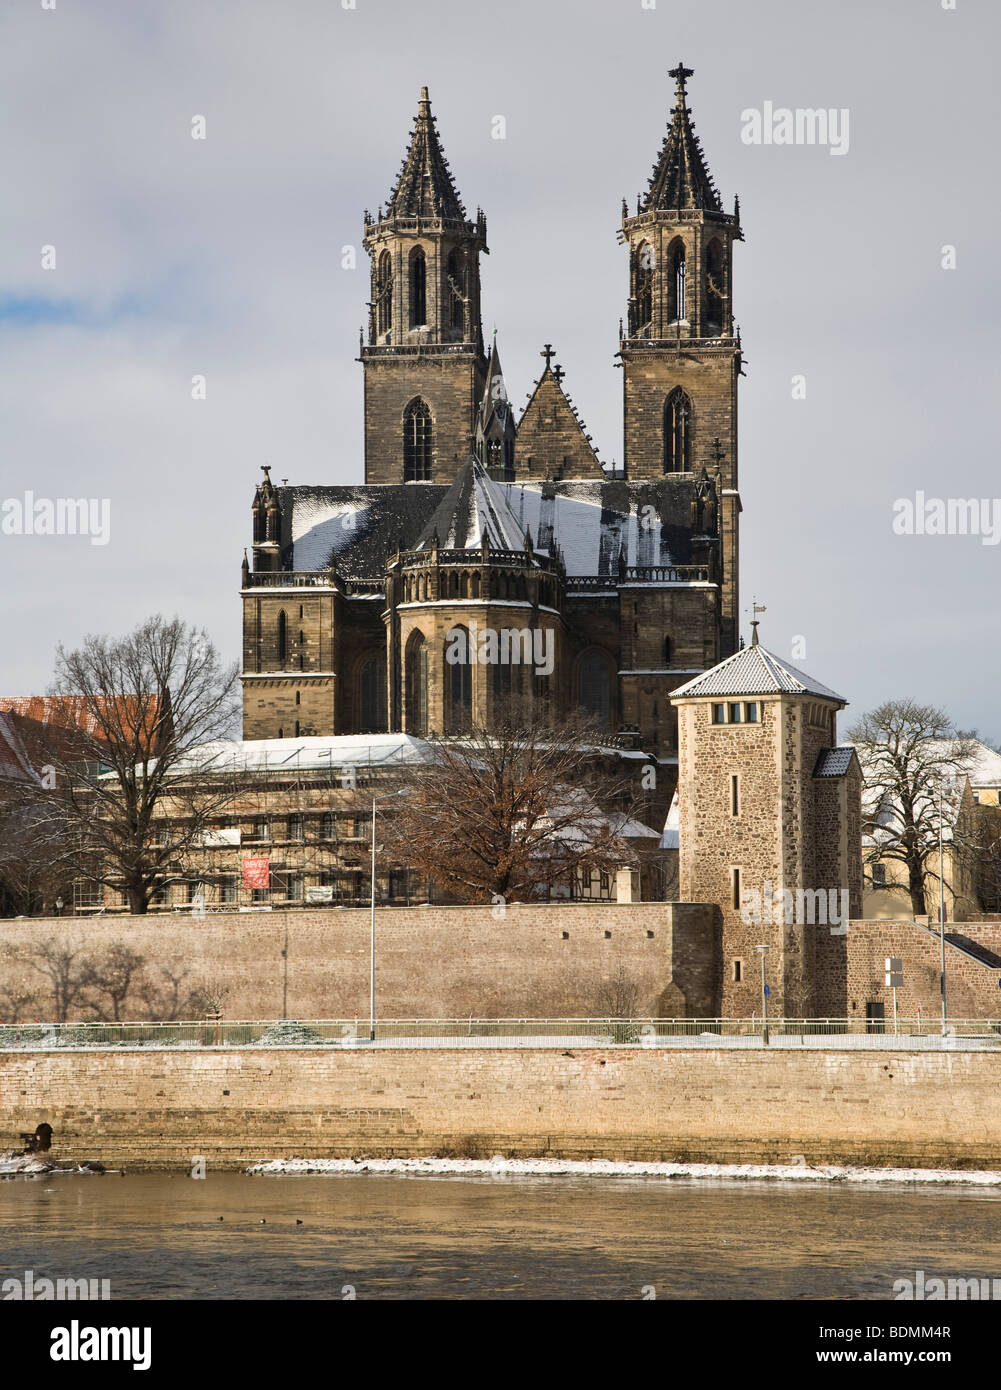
(907, 1034)
(642, 574)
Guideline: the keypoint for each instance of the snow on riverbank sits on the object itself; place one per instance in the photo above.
(601, 1167)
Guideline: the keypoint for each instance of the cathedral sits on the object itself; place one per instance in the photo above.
(590, 587)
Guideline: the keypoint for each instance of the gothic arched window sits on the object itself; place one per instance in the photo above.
(417, 442)
(714, 289)
(595, 686)
(418, 288)
(677, 433)
(667, 651)
(417, 685)
(372, 691)
(384, 294)
(456, 292)
(281, 643)
(459, 682)
(642, 287)
(676, 282)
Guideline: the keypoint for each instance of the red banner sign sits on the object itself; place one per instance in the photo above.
(257, 872)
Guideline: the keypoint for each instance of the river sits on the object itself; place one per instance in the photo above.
(160, 1236)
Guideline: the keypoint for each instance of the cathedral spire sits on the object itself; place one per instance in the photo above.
(495, 425)
(425, 187)
(681, 178)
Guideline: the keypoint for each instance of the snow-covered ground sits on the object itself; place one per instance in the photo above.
(277, 1039)
(601, 1167)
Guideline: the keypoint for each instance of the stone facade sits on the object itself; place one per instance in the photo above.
(764, 810)
(536, 961)
(235, 1106)
(640, 562)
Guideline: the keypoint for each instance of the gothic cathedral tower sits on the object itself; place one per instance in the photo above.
(425, 368)
(681, 353)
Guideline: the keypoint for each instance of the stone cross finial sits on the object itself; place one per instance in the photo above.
(547, 353)
(681, 74)
(558, 372)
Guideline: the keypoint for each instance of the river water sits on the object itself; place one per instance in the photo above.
(160, 1236)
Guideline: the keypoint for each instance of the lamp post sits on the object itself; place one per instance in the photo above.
(941, 896)
(764, 992)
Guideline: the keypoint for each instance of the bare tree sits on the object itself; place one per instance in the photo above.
(209, 997)
(513, 812)
(33, 847)
(914, 762)
(988, 858)
(617, 997)
(152, 704)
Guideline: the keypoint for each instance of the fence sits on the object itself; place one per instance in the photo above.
(909, 1034)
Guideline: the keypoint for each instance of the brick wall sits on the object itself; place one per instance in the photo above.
(850, 970)
(142, 1109)
(442, 962)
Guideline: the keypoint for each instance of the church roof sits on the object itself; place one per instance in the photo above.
(595, 521)
(681, 178)
(551, 434)
(754, 671)
(424, 187)
(474, 507)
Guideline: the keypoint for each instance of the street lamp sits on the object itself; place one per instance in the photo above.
(764, 992)
(941, 895)
(371, 955)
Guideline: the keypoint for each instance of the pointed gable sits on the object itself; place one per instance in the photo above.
(681, 178)
(552, 441)
(425, 188)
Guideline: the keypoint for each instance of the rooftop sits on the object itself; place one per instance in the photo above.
(754, 671)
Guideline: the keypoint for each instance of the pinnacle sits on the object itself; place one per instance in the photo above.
(681, 178)
(424, 187)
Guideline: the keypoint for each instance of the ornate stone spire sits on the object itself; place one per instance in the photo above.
(680, 178)
(424, 187)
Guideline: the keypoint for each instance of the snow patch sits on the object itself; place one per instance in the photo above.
(603, 1167)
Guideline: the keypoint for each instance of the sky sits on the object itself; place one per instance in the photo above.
(171, 258)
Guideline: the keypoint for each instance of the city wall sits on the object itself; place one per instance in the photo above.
(567, 960)
(572, 960)
(141, 1109)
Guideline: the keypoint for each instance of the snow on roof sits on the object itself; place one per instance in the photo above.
(594, 521)
(671, 838)
(473, 508)
(304, 754)
(754, 671)
(15, 764)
